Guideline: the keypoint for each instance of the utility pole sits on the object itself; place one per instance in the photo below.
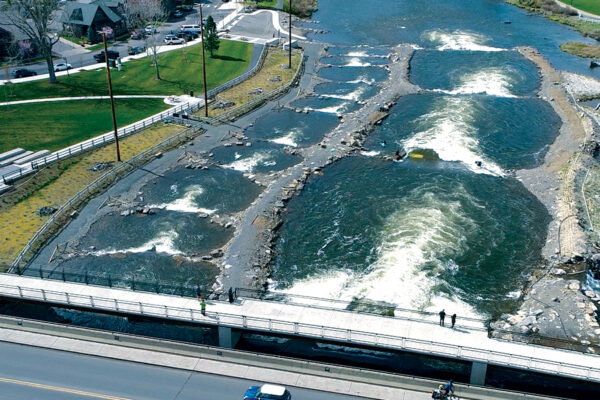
(110, 94)
(290, 22)
(203, 63)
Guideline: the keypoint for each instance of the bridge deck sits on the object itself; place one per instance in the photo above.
(353, 328)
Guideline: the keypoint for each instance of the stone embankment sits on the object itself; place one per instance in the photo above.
(248, 255)
(555, 309)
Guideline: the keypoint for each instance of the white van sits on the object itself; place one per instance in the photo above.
(191, 28)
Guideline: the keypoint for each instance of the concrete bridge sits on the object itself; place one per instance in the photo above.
(472, 344)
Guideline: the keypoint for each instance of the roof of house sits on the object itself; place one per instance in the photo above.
(6, 25)
(83, 12)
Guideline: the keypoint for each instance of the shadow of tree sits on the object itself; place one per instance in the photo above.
(226, 58)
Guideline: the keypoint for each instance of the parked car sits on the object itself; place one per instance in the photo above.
(177, 14)
(62, 67)
(112, 55)
(267, 392)
(22, 73)
(137, 35)
(150, 29)
(173, 39)
(191, 28)
(187, 36)
(135, 50)
(187, 7)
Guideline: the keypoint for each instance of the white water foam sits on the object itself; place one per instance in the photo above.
(489, 81)
(364, 80)
(289, 139)
(353, 96)
(451, 133)
(358, 54)
(163, 243)
(370, 153)
(356, 62)
(248, 164)
(187, 203)
(414, 236)
(330, 110)
(460, 40)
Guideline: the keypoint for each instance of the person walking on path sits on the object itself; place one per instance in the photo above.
(442, 317)
(453, 320)
(203, 307)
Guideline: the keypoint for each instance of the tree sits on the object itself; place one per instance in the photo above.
(211, 38)
(142, 13)
(34, 19)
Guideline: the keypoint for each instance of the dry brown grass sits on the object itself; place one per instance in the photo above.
(239, 94)
(56, 184)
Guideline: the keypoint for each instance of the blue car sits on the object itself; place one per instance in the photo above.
(267, 392)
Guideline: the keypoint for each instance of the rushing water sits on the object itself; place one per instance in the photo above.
(159, 247)
(449, 226)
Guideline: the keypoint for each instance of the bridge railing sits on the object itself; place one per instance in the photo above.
(118, 281)
(278, 326)
(359, 306)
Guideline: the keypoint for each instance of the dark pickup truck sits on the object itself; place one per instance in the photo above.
(112, 55)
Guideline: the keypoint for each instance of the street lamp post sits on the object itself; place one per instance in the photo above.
(110, 94)
(290, 23)
(203, 63)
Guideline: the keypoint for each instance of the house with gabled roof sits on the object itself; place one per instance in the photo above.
(84, 18)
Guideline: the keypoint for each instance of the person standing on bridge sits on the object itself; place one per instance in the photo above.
(203, 307)
(453, 320)
(442, 317)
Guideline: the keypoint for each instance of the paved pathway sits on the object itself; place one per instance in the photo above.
(581, 13)
(51, 99)
(292, 319)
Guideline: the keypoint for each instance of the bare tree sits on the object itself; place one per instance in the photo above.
(34, 18)
(141, 13)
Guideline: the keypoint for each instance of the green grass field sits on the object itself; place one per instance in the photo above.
(263, 3)
(581, 49)
(55, 125)
(179, 69)
(591, 6)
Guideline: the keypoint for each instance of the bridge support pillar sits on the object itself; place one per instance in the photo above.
(478, 371)
(228, 338)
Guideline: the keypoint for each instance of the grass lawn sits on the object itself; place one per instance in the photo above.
(263, 3)
(55, 125)
(591, 6)
(179, 69)
(581, 49)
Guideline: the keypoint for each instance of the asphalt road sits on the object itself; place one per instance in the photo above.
(35, 373)
(84, 57)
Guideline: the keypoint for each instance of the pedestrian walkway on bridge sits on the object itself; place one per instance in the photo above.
(305, 321)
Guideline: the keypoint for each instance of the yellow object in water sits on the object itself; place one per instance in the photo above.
(416, 155)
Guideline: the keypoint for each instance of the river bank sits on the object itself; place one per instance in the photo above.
(553, 305)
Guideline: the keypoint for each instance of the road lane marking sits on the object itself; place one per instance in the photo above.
(61, 389)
